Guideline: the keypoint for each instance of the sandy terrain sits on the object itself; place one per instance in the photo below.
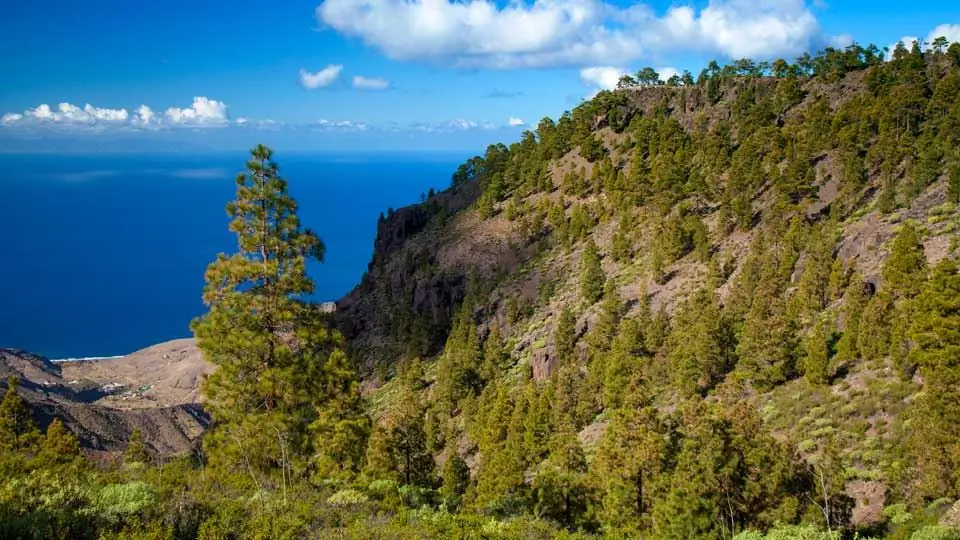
(159, 376)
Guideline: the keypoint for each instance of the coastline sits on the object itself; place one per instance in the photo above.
(86, 359)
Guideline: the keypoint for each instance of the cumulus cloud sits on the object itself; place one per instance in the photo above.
(370, 83)
(106, 115)
(482, 33)
(42, 112)
(740, 29)
(204, 111)
(322, 78)
(602, 77)
(949, 31)
(144, 116)
(209, 112)
(67, 113)
(607, 77)
(666, 73)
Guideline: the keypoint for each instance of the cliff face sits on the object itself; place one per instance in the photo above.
(424, 256)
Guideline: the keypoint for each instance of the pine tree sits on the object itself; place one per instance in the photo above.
(277, 362)
(701, 346)
(954, 185)
(608, 320)
(592, 278)
(873, 341)
(456, 477)
(17, 430)
(341, 425)
(378, 456)
(767, 348)
(839, 278)
(934, 430)
(656, 334)
(408, 441)
(854, 301)
(812, 293)
(494, 356)
(816, 363)
(538, 424)
(59, 445)
(620, 248)
(624, 362)
(630, 455)
(904, 269)
(565, 336)
(499, 480)
(136, 451)
(561, 488)
(693, 505)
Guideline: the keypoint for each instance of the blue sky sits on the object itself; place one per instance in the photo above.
(380, 74)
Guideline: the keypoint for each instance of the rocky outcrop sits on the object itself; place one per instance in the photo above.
(423, 258)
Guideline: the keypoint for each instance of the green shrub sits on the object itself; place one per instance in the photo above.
(116, 502)
(936, 532)
(347, 497)
(789, 532)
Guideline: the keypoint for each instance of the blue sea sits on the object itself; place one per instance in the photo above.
(104, 255)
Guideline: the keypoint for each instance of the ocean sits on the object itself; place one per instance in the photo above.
(104, 255)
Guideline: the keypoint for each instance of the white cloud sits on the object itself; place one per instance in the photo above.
(144, 116)
(370, 83)
(341, 125)
(739, 28)
(449, 126)
(603, 77)
(204, 111)
(949, 31)
(71, 113)
(262, 125)
(106, 115)
(666, 73)
(570, 32)
(907, 41)
(68, 113)
(42, 112)
(462, 124)
(515, 122)
(324, 77)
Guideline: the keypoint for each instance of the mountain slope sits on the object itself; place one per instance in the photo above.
(155, 390)
(744, 224)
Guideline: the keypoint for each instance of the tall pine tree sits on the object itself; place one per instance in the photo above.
(276, 361)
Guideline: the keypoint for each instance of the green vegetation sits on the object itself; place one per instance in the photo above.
(698, 358)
